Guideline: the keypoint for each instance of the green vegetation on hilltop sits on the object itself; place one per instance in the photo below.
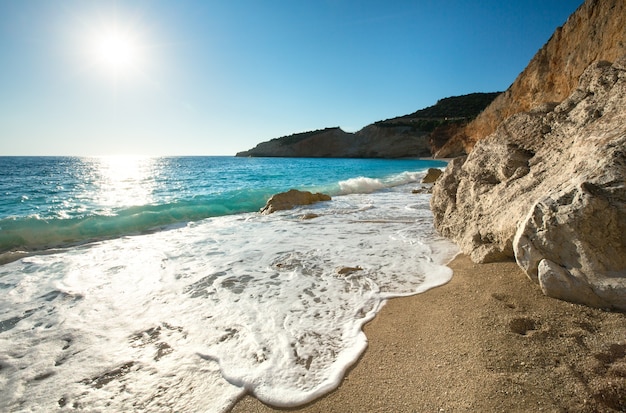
(297, 137)
(465, 106)
(455, 109)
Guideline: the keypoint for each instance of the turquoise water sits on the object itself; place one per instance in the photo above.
(153, 284)
(53, 201)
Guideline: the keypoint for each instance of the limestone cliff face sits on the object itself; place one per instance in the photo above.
(596, 31)
(548, 187)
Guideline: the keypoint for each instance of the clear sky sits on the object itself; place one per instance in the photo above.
(158, 77)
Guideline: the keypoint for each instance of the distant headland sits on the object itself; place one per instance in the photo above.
(419, 134)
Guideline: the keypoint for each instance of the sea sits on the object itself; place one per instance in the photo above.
(154, 284)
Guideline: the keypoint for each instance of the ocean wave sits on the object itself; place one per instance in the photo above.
(360, 185)
(34, 233)
(365, 185)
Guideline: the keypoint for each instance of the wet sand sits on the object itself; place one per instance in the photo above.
(489, 340)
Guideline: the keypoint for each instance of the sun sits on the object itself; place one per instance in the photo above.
(116, 51)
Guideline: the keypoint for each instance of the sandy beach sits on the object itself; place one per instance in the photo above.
(489, 340)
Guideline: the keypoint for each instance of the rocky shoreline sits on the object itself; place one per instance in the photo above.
(548, 189)
(543, 184)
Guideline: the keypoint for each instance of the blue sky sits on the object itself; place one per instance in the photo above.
(218, 77)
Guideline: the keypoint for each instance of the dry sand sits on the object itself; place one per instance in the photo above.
(488, 341)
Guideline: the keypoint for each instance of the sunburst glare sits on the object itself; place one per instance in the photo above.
(116, 50)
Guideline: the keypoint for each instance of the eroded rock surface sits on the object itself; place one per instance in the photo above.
(292, 198)
(548, 187)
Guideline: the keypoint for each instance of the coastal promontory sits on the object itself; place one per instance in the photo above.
(419, 134)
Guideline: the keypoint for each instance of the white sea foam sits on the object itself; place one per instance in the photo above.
(360, 185)
(365, 185)
(189, 319)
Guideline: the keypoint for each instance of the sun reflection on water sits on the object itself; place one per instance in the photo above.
(125, 181)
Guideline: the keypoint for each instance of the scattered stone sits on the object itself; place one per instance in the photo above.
(348, 270)
(292, 198)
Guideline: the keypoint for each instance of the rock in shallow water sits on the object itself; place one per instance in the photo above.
(432, 175)
(292, 198)
(549, 188)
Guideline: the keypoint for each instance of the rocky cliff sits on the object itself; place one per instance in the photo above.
(548, 188)
(596, 31)
(413, 135)
(370, 142)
